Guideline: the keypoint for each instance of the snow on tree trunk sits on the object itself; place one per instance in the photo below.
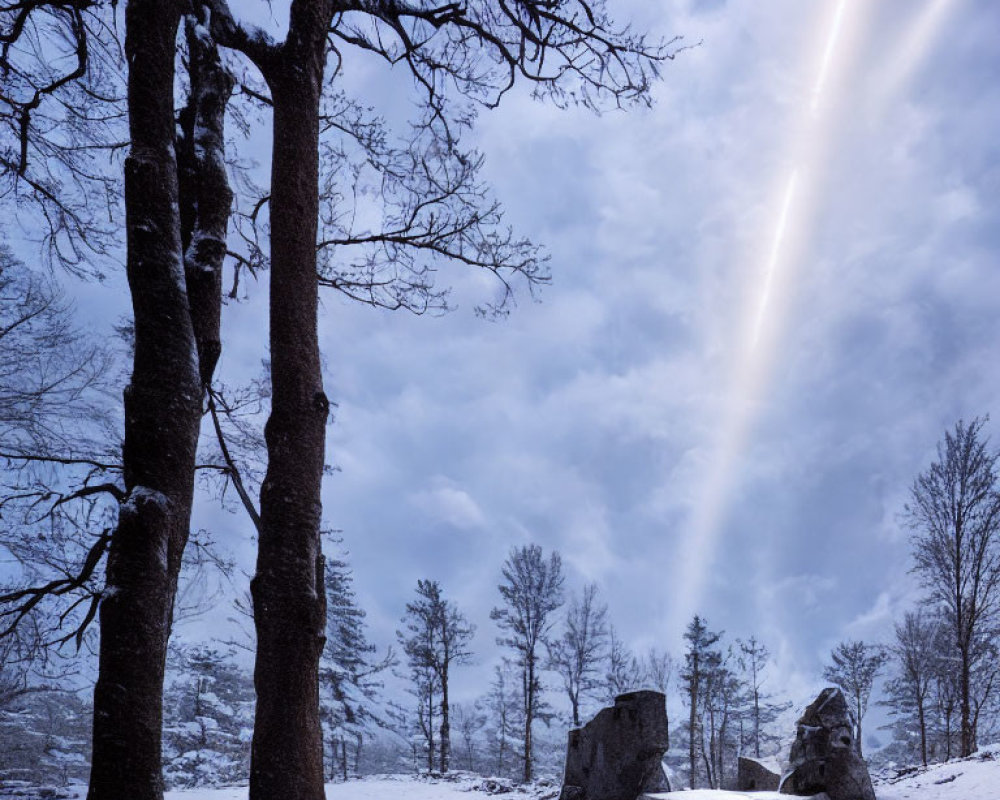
(162, 408)
(288, 588)
(162, 413)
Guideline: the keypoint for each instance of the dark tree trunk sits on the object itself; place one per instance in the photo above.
(857, 737)
(965, 688)
(756, 721)
(923, 730)
(529, 715)
(445, 747)
(163, 398)
(288, 593)
(162, 414)
(693, 721)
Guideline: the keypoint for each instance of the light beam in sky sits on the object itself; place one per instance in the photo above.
(772, 262)
(810, 139)
(807, 152)
(913, 47)
(828, 51)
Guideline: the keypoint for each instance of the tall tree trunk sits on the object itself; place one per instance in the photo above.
(756, 721)
(693, 721)
(445, 725)
(162, 420)
(288, 593)
(966, 690)
(857, 735)
(529, 714)
(923, 730)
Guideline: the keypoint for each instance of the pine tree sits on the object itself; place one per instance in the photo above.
(208, 718)
(349, 699)
(699, 660)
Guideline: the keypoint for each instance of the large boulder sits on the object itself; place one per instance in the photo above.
(618, 754)
(755, 776)
(823, 757)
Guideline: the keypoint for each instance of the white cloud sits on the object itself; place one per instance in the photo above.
(445, 502)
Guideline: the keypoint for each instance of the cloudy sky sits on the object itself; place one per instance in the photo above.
(772, 293)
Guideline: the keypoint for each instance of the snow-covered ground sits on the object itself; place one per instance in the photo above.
(715, 794)
(975, 778)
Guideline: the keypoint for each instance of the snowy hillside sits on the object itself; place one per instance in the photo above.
(973, 778)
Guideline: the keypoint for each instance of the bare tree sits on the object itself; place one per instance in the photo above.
(531, 591)
(469, 721)
(915, 657)
(578, 653)
(504, 709)
(658, 669)
(437, 638)
(62, 110)
(436, 211)
(625, 672)
(954, 514)
(855, 667)
(49, 371)
(753, 658)
(459, 55)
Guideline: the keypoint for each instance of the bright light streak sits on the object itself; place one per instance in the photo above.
(772, 262)
(831, 46)
(807, 153)
(914, 46)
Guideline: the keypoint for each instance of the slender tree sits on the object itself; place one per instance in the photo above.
(531, 591)
(436, 638)
(854, 668)
(625, 671)
(577, 654)
(954, 516)
(753, 658)
(914, 657)
(698, 660)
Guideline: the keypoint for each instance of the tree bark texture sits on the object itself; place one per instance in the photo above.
(162, 406)
(445, 723)
(162, 413)
(288, 592)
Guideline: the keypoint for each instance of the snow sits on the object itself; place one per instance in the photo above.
(715, 794)
(974, 778)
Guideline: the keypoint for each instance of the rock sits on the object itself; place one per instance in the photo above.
(618, 754)
(823, 757)
(755, 776)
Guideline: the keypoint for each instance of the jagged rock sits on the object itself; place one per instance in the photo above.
(755, 776)
(618, 754)
(823, 757)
